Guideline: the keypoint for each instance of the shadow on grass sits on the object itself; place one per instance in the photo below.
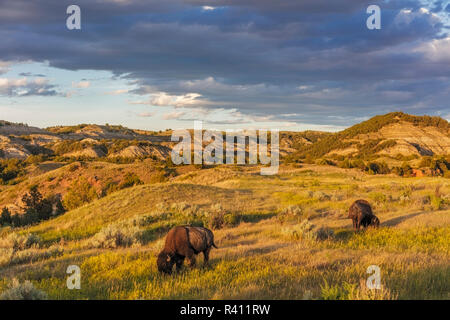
(395, 221)
(343, 234)
(266, 249)
(256, 217)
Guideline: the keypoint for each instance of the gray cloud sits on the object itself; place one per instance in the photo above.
(24, 87)
(249, 55)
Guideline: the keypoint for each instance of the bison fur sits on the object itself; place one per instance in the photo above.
(184, 242)
(361, 214)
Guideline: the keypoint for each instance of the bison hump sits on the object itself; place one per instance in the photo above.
(360, 207)
(198, 238)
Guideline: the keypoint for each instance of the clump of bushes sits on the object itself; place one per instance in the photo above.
(232, 219)
(20, 242)
(305, 230)
(290, 213)
(33, 254)
(321, 196)
(436, 199)
(437, 202)
(17, 248)
(117, 235)
(348, 164)
(131, 179)
(378, 197)
(218, 218)
(439, 165)
(11, 169)
(377, 168)
(22, 291)
(79, 193)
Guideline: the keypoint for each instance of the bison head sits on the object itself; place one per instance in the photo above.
(375, 222)
(165, 262)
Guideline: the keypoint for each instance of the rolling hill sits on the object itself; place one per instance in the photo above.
(284, 237)
(390, 134)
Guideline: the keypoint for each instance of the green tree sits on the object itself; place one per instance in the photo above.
(130, 180)
(36, 207)
(5, 217)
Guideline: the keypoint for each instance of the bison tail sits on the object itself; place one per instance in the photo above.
(214, 245)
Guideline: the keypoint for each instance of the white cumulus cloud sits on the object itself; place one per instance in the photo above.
(81, 84)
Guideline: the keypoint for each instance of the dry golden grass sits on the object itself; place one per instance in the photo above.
(268, 255)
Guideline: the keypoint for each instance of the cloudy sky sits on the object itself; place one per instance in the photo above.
(156, 64)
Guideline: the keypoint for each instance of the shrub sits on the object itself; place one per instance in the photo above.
(11, 169)
(109, 187)
(22, 291)
(5, 217)
(117, 235)
(377, 168)
(79, 193)
(324, 233)
(20, 242)
(34, 254)
(420, 201)
(290, 213)
(216, 220)
(436, 202)
(378, 197)
(321, 196)
(6, 256)
(130, 180)
(36, 207)
(231, 219)
(305, 230)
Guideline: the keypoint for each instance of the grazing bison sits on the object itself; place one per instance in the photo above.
(184, 242)
(361, 214)
(371, 221)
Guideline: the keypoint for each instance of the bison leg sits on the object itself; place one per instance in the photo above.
(179, 263)
(358, 224)
(206, 256)
(191, 258)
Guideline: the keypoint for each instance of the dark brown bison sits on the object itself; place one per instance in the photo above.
(372, 221)
(361, 213)
(184, 242)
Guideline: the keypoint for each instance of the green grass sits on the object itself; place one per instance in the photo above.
(255, 259)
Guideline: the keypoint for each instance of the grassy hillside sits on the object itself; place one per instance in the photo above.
(342, 139)
(279, 237)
